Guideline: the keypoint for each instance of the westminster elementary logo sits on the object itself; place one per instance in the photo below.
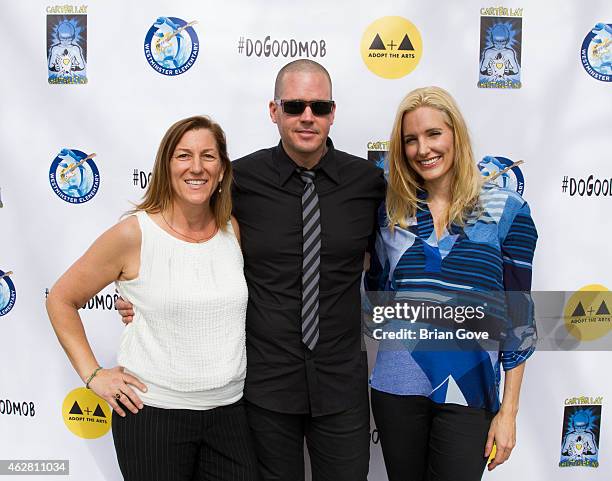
(74, 176)
(171, 46)
(8, 294)
(596, 52)
(503, 172)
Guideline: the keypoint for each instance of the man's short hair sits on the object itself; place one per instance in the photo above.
(300, 66)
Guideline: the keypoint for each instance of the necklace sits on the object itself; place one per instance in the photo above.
(199, 241)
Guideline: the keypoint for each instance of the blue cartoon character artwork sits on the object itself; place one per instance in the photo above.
(67, 49)
(379, 159)
(500, 52)
(580, 442)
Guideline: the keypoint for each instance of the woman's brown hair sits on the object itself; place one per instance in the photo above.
(159, 194)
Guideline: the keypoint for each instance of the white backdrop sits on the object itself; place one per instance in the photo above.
(559, 122)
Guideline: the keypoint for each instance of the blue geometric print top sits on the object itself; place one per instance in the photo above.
(492, 252)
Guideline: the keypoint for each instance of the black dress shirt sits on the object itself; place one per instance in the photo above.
(282, 374)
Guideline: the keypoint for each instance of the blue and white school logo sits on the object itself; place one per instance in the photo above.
(503, 173)
(596, 52)
(171, 46)
(74, 177)
(8, 295)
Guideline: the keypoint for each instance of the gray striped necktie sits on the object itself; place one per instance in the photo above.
(311, 260)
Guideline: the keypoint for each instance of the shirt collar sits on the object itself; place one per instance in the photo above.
(421, 194)
(286, 166)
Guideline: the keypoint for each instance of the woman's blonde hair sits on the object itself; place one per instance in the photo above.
(159, 194)
(404, 183)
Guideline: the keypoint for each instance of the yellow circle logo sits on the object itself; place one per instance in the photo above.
(587, 313)
(391, 47)
(85, 414)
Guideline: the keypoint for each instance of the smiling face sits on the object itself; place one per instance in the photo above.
(429, 145)
(304, 135)
(195, 168)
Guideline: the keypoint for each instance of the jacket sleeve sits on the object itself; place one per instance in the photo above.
(517, 247)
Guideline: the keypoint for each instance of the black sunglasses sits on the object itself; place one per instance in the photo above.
(297, 107)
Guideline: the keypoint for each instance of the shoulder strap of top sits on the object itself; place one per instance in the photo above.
(230, 229)
(141, 215)
(145, 221)
(147, 229)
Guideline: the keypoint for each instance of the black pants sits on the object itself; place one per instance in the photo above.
(183, 444)
(425, 441)
(338, 444)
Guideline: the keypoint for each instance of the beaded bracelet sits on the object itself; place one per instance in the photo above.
(93, 374)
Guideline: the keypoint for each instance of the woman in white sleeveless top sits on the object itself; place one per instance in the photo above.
(176, 393)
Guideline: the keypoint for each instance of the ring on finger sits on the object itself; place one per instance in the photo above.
(118, 396)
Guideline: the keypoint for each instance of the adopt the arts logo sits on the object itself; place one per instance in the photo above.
(8, 294)
(587, 313)
(580, 432)
(391, 47)
(74, 176)
(501, 44)
(171, 45)
(503, 172)
(85, 414)
(67, 44)
(596, 52)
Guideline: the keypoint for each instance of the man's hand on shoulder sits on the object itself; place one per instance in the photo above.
(126, 310)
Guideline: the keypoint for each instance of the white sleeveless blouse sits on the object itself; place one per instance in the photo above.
(187, 339)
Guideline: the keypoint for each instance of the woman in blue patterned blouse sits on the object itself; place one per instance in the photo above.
(445, 230)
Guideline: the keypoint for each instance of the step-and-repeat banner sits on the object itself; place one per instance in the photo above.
(88, 90)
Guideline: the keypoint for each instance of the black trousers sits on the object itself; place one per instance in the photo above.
(338, 444)
(183, 444)
(425, 441)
